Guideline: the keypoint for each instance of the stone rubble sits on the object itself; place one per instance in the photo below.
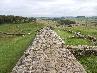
(47, 54)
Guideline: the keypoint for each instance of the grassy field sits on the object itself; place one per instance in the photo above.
(12, 47)
(71, 41)
(84, 30)
(89, 62)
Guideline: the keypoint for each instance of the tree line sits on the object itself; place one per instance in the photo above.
(64, 21)
(15, 19)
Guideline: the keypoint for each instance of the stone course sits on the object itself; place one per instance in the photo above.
(47, 54)
(82, 50)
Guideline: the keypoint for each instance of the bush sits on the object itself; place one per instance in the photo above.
(66, 22)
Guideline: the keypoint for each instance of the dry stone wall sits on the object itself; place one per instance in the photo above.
(48, 55)
(82, 50)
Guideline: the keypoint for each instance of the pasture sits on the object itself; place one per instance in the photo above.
(12, 47)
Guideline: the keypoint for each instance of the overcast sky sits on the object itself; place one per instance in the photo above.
(48, 7)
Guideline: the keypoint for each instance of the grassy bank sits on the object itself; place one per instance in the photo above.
(12, 47)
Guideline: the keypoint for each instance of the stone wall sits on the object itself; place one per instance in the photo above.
(47, 54)
(82, 50)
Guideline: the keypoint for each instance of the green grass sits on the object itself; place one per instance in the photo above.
(84, 30)
(77, 41)
(12, 47)
(89, 63)
(71, 41)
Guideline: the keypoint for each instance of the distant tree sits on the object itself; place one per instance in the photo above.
(15, 19)
(66, 22)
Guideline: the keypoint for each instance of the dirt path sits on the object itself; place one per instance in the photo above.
(48, 55)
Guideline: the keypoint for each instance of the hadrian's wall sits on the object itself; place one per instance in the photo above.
(48, 55)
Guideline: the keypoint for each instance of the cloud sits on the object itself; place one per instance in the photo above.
(48, 7)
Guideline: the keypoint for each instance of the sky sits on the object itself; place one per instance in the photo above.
(48, 8)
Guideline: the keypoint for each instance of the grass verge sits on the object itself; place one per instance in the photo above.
(12, 47)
